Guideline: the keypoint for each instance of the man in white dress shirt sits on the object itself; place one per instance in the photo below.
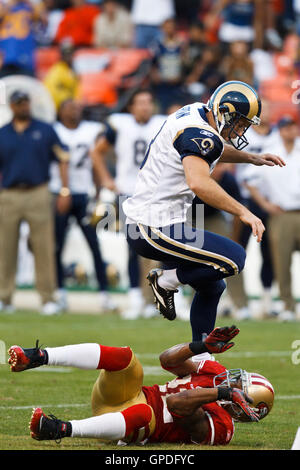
(278, 193)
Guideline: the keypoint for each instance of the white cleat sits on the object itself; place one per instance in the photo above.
(242, 314)
(286, 316)
(51, 308)
(150, 311)
(135, 304)
(62, 299)
(106, 303)
(7, 308)
(131, 314)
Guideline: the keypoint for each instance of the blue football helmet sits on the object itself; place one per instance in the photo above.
(232, 102)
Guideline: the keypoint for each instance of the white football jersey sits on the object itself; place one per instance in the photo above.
(162, 195)
(79, 141)
(257, 144)
(130, 140)
(280, 185)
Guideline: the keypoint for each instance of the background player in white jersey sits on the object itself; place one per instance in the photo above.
(79, 136)
(129, 134)
(278, 193)
(177, 167)
(258, 138)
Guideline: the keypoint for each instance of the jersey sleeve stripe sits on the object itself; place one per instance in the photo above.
(198, 251)
(110, 134)
(178, 254)
(212, 429)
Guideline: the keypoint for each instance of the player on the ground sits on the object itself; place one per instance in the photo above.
(79, 136)
(199, 405)
(176, 167)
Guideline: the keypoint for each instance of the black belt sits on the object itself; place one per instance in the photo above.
(25, 186)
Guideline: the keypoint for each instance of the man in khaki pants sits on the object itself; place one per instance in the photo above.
(27, 147)
(278, 193)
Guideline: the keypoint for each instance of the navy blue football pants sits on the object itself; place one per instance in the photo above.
(202, 260)
(79, 211)
(266, 273)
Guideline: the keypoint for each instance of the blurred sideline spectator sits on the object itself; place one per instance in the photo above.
(278, 194)
(296, 5)
(27, 147)
(61, 80)
(238, 20)
(207, 73)
(113, 27)
(245, 20)
(263, 64)
(45, 32)
(167, 70)
(79, 136)
(193, 50)
(188, 11)
(259, 137)
(17, 41)
(237, 65)
(77, 23)
(148, 18)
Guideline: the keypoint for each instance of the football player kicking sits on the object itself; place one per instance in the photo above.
(176, 167)
(200, 405)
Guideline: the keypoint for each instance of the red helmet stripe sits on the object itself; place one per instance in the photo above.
(268, 386)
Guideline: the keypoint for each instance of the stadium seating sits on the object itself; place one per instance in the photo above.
(45, 57)
(100, 70)
(96, 88)
(282, 90)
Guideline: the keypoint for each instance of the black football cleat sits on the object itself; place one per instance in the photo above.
(163, 298)
(21, 359)
(48, 428)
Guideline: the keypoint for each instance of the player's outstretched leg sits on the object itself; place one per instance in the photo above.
(26, 358)
(161, 282)
(89, 356)
(112, 426)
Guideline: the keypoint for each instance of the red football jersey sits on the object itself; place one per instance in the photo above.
(221, 427)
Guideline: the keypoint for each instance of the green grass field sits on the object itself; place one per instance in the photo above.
(264, 347)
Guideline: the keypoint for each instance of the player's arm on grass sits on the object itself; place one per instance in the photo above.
(232, 155)
(186, 410)
(98, 156)
(177, 358)
(209, 191)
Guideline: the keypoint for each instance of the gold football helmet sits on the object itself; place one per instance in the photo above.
(256, 386)
(232, 102)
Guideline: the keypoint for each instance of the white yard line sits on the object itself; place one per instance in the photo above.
(233, 354)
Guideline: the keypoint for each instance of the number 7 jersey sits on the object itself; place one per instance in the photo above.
(162, 196)
(79, 141)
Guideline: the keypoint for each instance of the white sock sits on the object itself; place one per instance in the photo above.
(168, 279)
(107, 426)
(203, 357)
(83, 356)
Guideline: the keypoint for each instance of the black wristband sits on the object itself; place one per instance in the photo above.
(198, 347)
(224, 393)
